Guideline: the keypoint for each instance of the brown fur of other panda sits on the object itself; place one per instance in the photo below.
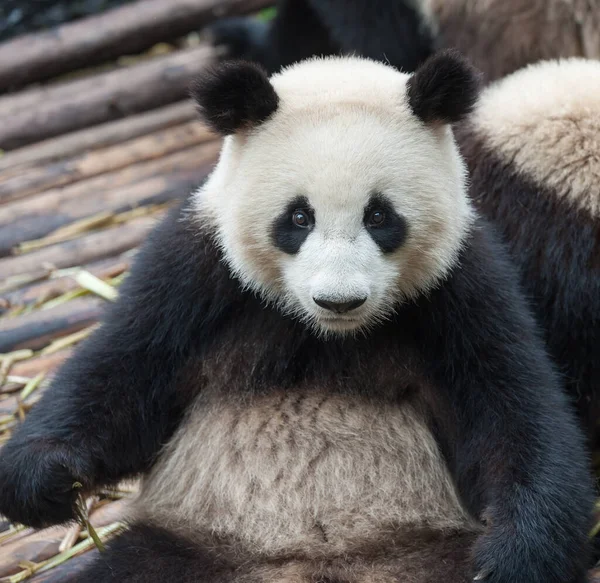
(501, 36)
(533, 150)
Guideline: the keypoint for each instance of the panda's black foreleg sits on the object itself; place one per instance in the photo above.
(296, 33)
(118, 399)
(512, 442)
(148, 554)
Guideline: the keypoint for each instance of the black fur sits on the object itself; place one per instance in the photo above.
(469, 355)
(560, 297)
(303, 28)
(112, 408)
(295, 34)
(444, 89)
(496, 401)
(392, 232)
(389, 235)
(232, 96)
(285, 234)
(147, 553)
(556, 247)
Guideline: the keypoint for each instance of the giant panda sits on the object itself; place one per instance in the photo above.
(532, 145)
(322, 362)
(501, 36)
(498, 36)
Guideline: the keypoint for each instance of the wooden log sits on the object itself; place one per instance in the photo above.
(149, 147)
(69, 572)
(85, 249)
(9, 387)
(43, 544)
(152, 191)
(8, 405)
(47, 364)
(52, 288)
(39, 114)
(40, 215)
(15, 536)
(126, 30)
(37, 329)
(107, 134)
(20, 206)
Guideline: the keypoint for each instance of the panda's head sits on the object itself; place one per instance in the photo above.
(339, 192)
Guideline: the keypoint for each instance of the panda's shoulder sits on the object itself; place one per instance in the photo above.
(483, 287)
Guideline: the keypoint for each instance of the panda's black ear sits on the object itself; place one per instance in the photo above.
(234, 95)
(444, 88)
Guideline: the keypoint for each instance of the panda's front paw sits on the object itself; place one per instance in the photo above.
(240, 38)
(37, 480)
(505, 555)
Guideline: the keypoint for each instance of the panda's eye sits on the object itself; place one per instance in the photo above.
(376, 219)
(301, 219)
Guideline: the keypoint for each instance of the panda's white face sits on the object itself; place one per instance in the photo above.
(343, 204)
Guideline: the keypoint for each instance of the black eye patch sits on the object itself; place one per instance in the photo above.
(386, 227)
(291, 228)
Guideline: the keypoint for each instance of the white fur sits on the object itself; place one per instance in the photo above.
(545, 119)
(342, 131)
(326, 476)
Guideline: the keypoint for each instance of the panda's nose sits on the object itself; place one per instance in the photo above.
(340, 307)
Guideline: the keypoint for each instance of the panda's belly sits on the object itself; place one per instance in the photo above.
(290, 471)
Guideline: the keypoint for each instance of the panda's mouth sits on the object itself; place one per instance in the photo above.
(341, 318)
(327, 316)
(340, 323)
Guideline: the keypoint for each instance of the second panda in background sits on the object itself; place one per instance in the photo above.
(498, 36)
(397, 32)
(554, 235)
(533, 150)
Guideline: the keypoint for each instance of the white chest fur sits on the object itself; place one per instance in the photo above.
(324, 474)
